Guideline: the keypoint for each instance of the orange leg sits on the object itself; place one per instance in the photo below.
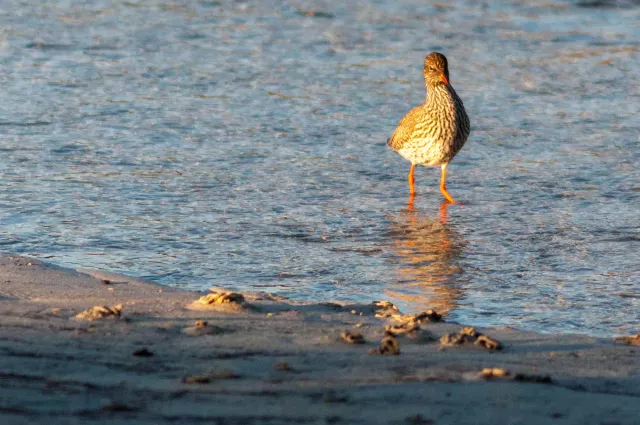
(412, 180)
(443, 184)
(410, 206)
(412, 190)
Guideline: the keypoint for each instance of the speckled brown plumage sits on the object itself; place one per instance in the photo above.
(432, 134)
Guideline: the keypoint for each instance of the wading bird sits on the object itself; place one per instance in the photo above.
(432, 134)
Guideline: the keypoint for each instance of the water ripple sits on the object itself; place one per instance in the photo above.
(242, 144)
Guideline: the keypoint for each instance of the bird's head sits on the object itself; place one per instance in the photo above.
(436, 69)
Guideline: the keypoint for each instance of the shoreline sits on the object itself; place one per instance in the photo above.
(257, 358)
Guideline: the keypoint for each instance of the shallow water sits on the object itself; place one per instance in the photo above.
(242, 144)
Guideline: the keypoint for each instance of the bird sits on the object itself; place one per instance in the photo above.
(433, 133)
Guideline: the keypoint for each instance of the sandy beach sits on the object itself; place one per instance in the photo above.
(157, 355)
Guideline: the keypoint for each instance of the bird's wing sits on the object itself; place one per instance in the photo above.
(405, 128)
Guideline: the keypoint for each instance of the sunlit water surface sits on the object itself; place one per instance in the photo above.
(242, 144)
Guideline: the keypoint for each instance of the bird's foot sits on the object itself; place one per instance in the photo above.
(443, 190)
(410, 206)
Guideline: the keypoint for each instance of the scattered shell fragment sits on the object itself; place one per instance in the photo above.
(385, 309)
(494, 372)
(403, 328)
(536, 379)
(425, 316)
(389, 346)
(284, 367)
(205, 379)
(455, 339)
(409, 325)
(143, 352)
(196, 379)
(352, 337)
(488, 343)
(418, 420)
(202, 327)
(631, 340)
(100, 312)
(469, 331)
(222, 298)
(472, 336)
(118, 407)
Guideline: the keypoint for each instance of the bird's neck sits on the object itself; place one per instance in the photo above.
(440, 96)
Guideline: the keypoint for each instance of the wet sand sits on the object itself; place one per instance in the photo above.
(159, 356)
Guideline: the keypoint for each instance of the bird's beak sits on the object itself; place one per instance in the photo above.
(443, 78)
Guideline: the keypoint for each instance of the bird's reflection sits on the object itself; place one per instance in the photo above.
(426, 252)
